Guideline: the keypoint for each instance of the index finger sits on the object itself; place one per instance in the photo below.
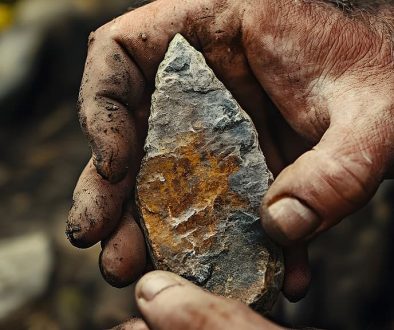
(114, 100)
(114, 106)
(111, 85)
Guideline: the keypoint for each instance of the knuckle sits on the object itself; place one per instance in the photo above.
(348, 176)
(104, 33)
(113, 28)
(111, 168)
(91, 38)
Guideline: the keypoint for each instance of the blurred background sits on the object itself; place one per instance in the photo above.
(47, 284)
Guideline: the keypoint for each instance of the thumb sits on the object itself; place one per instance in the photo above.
(167, 301)
(325, 184)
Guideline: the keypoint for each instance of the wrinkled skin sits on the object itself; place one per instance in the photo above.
(328, 139)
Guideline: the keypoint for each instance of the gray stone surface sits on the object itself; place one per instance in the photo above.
(201, 184)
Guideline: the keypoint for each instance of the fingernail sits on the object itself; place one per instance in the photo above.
(152, 285)
(288, 221)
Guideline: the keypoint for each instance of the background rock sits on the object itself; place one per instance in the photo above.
(25, 267)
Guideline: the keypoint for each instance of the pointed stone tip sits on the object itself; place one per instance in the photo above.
(178, 40)
(177, 60)
(179, 43)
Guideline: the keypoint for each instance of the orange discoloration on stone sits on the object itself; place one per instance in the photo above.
(186, 192)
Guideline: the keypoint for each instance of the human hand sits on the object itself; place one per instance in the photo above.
(328, 73)
(159, 294)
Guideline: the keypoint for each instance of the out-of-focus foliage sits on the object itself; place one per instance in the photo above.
(6, 16)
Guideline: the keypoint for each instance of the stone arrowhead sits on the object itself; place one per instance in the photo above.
(201, 183)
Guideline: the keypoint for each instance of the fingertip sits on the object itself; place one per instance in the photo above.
(118, 274)
(96, 210)
(111, 276)
(90, 221)
(73, 236)
(75, 231)
(296, 289)
(123, 257)
(288, 224)
(297, 273)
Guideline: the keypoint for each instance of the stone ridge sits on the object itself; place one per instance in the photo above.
(201, 183)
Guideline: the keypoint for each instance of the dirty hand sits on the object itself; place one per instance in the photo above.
(159, 294)
(329, 72)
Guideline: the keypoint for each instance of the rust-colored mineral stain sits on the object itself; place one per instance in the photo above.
(184, 191)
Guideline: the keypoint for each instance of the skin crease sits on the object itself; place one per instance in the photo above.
(328, 73)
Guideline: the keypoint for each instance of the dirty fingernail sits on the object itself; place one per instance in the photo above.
(152, 285)
(288, 220)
